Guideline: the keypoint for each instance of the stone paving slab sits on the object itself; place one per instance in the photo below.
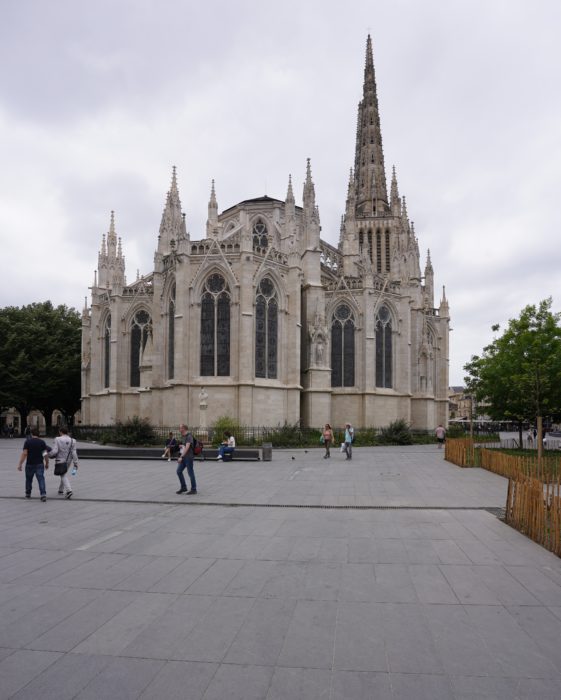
(131, 592)
(414, 476)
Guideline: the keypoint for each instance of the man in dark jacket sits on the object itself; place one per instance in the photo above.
(35, 456)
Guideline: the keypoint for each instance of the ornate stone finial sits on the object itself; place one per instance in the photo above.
(309, 196)
(103, 245)
(404, 210)
(120, 248)
(137, 274)
(429, 261)
(289, 192)
(394, 192)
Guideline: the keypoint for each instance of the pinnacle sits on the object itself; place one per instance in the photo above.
(289, 192)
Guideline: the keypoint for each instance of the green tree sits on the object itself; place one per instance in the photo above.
(518, 376)
(40, 359)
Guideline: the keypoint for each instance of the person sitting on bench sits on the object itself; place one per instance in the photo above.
(226, 449)
(171, 448)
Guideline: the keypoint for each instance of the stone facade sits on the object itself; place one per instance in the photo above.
(265, 322)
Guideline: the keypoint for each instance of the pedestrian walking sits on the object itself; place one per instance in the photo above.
(440, 433)
(185, 461)
(349, 439)
(64, 453)
(327, 440)
(35, 454)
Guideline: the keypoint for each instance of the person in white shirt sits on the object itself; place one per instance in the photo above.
(227, 447)
(64, 453)
(349, 438)
(440, 433)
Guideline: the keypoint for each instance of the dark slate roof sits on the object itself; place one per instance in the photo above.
(257, 200)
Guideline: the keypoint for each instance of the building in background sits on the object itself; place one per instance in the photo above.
(267, 321)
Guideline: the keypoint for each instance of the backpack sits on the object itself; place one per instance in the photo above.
(197, 446)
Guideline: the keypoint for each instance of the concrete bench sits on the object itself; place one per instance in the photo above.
(241, 454)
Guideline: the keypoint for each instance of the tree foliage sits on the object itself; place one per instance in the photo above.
(40, 359)
(518, 376)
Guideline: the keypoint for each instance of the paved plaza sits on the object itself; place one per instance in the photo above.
(388, 577)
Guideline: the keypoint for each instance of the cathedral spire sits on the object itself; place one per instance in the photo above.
(429, 281)
(289, 191)
(309, 195)
(110, 261)
(212, 221)
(112, 238)
(171, 224)
(370, 175)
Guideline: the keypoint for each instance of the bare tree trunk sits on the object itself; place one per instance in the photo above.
(540, 438)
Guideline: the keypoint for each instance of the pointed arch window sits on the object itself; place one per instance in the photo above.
(107, 352)
(171, 333)
(378, 251)
(266, 330)
(215, 328)
(141, 326)
(260, 235)
(384, 350)
(388, 252)
(360, 242)
(342, 347)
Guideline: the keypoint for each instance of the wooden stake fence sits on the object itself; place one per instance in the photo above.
(533, 504)
(534, 508)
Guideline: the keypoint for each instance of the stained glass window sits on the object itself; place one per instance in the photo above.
(215, 328)
(388, 256)
(171, 333)
(384, 348)
(107, 353)
(343, 347)
(266, 330)
(140, 328)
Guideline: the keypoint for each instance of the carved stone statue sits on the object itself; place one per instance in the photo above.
(203, 398)
(203, 405)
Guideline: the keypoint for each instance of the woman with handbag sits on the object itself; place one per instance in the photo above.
(327, 439)
(64, 453)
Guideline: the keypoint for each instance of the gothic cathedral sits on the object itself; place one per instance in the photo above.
(266, 321)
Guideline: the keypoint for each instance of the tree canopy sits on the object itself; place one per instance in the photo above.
(40, 359)
(518, 376)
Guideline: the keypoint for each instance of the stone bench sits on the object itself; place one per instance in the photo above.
(241, 454)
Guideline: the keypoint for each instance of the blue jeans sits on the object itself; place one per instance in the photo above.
(37, 470)
(225, 450)
(186, 462)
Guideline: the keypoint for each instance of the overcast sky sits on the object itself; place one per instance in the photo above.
(99, 99)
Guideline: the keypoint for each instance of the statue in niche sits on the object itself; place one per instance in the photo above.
(203, 405)
(203, 399)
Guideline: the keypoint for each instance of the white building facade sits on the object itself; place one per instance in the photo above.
(263, 321)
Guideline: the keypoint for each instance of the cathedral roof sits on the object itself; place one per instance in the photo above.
(256, 200)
